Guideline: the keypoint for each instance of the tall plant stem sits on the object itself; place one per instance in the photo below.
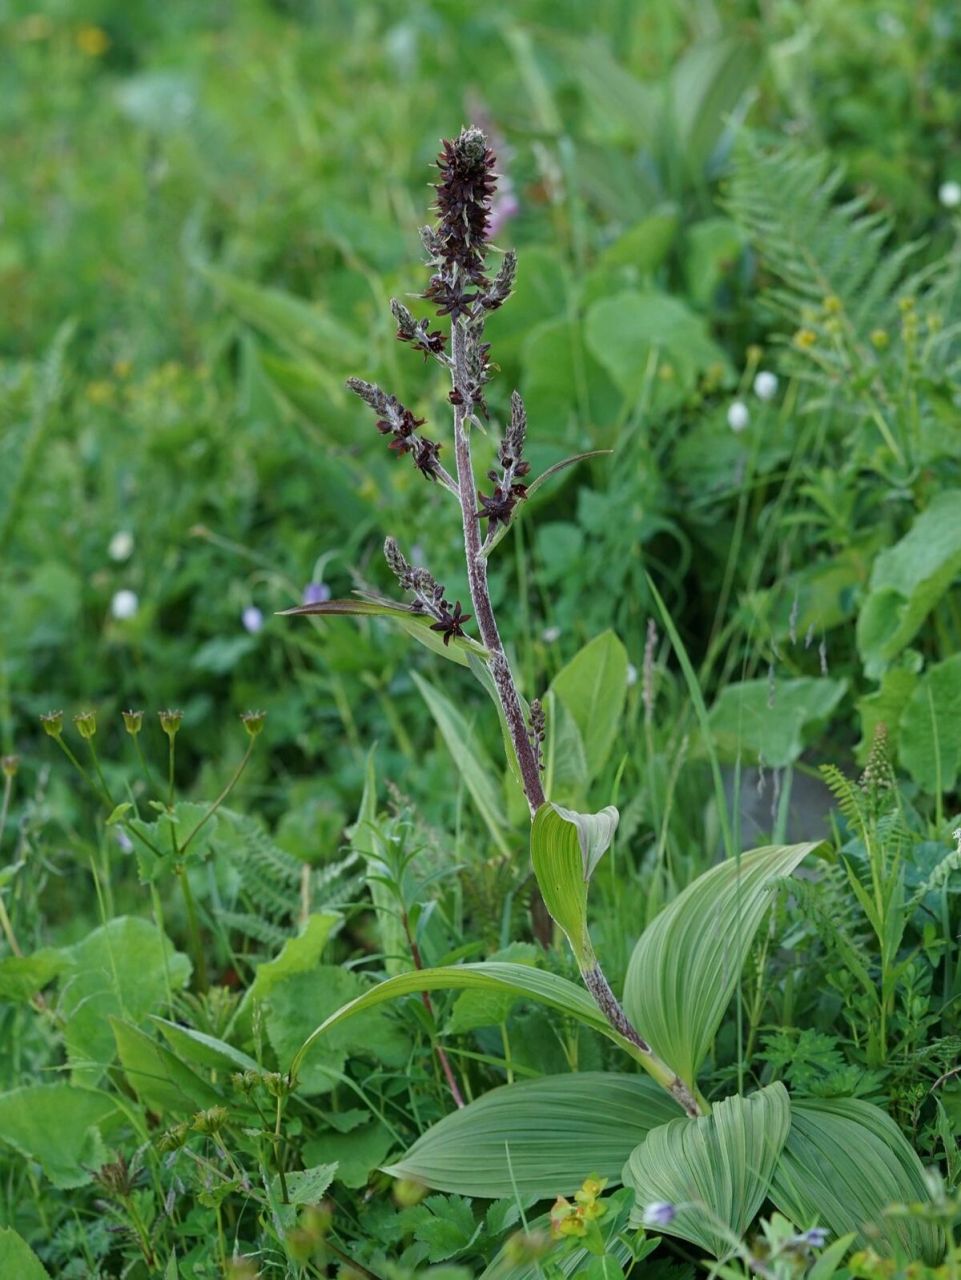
(477, 578)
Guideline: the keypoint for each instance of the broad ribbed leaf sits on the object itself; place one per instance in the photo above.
(533, 984)
(844, 1162)
(543, 1137)
(722, 1163)
(565, 848)
(686, 964)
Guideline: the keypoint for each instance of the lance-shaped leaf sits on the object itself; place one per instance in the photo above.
(715, 1171)
(686, 964)
(539, 1137)
(405, 616)
(844, 1164)
(565, 848)
(533, 984)
(471, 759)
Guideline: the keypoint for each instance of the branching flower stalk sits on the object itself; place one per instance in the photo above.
(460, 288)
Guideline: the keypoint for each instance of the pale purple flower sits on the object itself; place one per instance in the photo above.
(814, 1237)
(659, 1214)
(316, 593)
(252, 618)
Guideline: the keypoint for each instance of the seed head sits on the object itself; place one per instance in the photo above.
(86, 722)
(52, 723)
(170, 721)
(133, 722)
(253, 722)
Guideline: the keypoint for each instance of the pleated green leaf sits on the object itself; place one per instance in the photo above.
(458, 649)
(844, 1162)
(543, 1137)
(533, 984)
(716, 1170)
(686, 964)
(565, 848)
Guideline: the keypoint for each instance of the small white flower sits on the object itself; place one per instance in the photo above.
(123, 840)
(252, 618)
(738, 416)
(121, 545)
(550, 634)
(631, 674)
(124, 604)
(949, 193)
(765, 385)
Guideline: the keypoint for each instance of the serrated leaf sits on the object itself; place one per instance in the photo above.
(127, 969)
(543, 1137)
(722, 1163)
(59, 1126)
(160, 1080)
(204, 1050)
(685, 966)
(17, 1259)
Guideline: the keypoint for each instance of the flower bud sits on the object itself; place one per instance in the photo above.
(408, 1192)
(9, 765)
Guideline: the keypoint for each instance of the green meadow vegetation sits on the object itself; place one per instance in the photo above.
(483, 805)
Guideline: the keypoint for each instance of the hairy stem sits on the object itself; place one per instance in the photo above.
(477, 579)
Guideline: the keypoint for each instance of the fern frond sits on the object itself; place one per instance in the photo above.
(814, 245)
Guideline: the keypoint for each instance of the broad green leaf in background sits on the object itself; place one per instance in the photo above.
(686, 964)
(711, 249)
(761, 722)
(293, 323)
(60, 1126)
(886, 705)
(533, 984)
(471, 760)
(542, 1137)
(706, 87)
(296, 955)
(293, 1007)
(929, 735)
(473, 1009)
(566, 776)
(21, 977)
(565, 849)
(17, 1260)
(624, 330)
(127, 969)
(203, 1050)
(645, 245)
(158, 1077)
(723, 1162)
(844, 1163)
(356, 1154)
(908, 580)
(306, 1186)
(593, 688)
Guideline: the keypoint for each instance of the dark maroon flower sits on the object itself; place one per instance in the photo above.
(425, 457)
(450, 622)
